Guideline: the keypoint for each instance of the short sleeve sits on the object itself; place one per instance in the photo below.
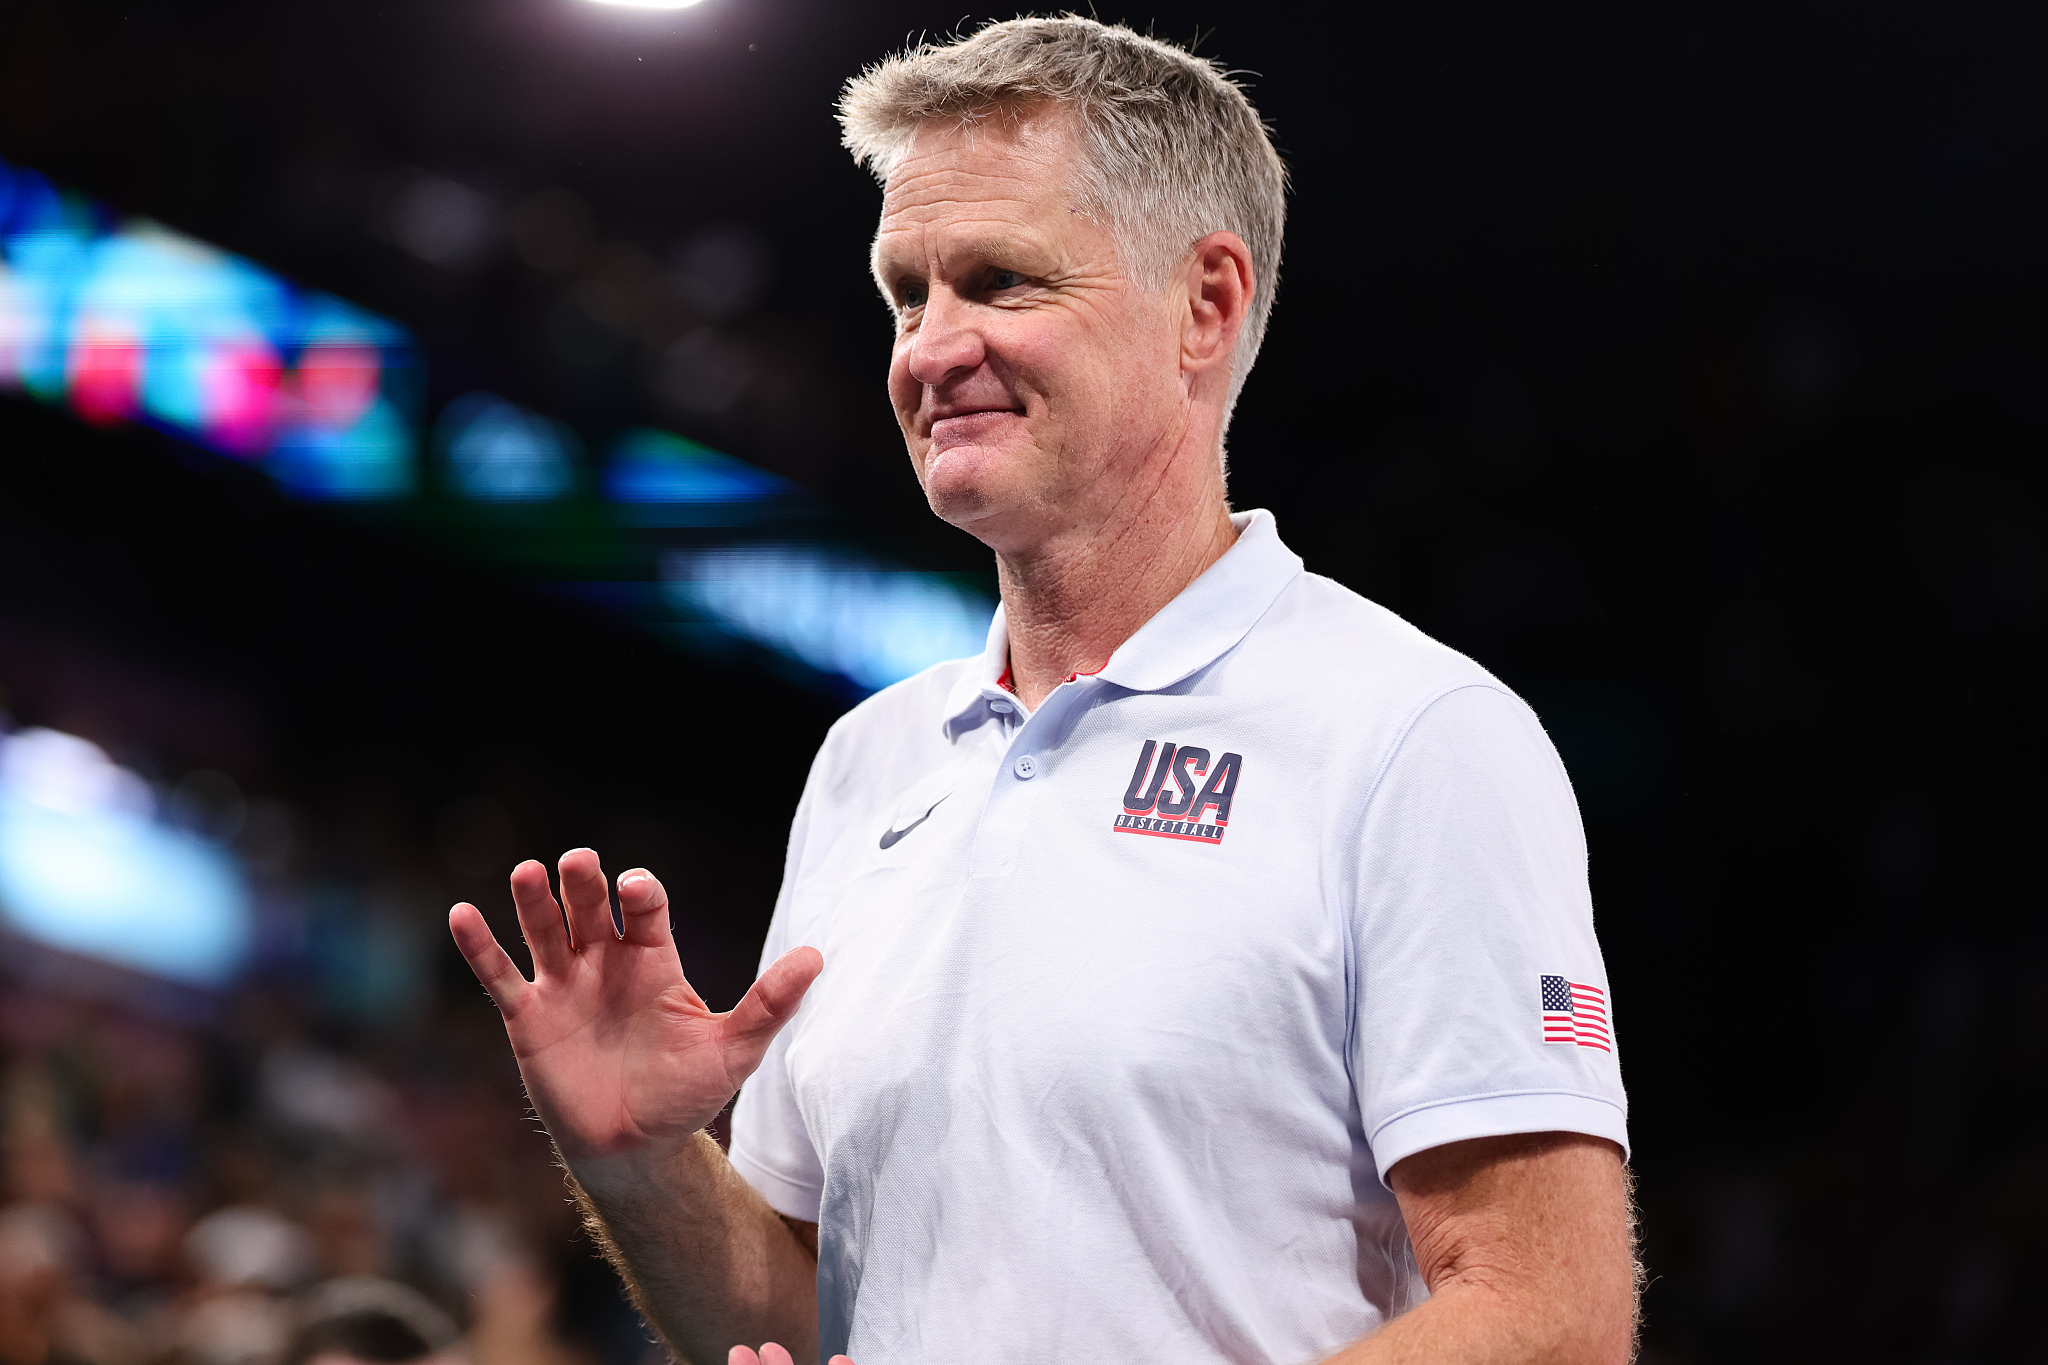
(771, 1147)
(1481, 1004)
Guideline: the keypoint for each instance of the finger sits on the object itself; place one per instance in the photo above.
(588, 898)
(771, 1354)
(742, 1355)
(540, 919)
(841, 1360)
(480, 949)
(643, 905)
(758, 1017)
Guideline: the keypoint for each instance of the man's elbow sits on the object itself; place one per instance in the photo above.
(1582, 1314)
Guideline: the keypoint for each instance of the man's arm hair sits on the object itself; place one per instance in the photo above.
(704, 1258)
(1528, 1246)
(625, 1064)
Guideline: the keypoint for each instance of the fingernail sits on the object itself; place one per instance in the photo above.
(632, 878)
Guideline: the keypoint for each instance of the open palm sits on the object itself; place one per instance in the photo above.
(617, 1050)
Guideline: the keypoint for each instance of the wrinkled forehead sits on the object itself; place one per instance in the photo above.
(1004, 171)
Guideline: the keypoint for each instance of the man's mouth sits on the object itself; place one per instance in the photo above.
(963, 427)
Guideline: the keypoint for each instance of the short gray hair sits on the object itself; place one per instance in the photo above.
(1175, 150)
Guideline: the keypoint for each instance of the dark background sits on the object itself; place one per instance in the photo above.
(1690, 371)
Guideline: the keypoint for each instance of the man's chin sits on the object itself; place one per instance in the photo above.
(963, 480)
(975, 498)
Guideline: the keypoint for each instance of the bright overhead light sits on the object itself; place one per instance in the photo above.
(648, 4)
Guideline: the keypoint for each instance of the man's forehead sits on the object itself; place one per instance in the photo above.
(962, 193)
(984, 188)
(1023, 160)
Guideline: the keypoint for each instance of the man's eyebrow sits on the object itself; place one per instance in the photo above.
(991, 249)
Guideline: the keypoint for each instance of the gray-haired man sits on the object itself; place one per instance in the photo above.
(1290, 1041)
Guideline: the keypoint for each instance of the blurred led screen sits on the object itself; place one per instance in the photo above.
(669, 481)
(838, 612)
(494, 451)
(128, 321)
(87, 866)
(124, 320)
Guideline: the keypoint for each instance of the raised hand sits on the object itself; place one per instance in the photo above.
(618, 1052)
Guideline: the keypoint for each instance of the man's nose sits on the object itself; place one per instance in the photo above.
(947, 342)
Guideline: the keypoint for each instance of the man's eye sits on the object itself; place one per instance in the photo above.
(911, 293)
(1005, 279)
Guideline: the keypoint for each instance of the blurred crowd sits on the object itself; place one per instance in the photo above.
(268, 1185)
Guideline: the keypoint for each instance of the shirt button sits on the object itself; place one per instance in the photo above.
(1027, 767)
(1000, 707)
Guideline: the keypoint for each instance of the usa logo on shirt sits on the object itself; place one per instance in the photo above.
(1196, 804)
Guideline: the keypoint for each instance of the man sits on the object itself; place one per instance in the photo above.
(1208, 970)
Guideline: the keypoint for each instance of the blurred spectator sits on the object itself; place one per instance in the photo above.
(245, 1259)
(277, 1186)
(360, 1320)
(43, 1319)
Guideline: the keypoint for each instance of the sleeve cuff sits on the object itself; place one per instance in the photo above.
(1528, 1111)
(787, 1197)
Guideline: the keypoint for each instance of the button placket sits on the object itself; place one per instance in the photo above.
(1007, 813)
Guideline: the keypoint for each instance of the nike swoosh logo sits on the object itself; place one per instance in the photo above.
(889, 837)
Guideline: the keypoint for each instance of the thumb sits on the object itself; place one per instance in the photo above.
(754, 1022)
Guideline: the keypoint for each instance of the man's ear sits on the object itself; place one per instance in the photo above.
(1219, 284)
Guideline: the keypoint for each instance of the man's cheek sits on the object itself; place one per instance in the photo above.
(903, 390)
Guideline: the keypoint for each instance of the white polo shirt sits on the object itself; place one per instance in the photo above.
(1131, 1002)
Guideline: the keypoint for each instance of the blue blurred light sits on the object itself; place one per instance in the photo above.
(132, 322)
(369, 460)
(683, 483)
(838, 612)
(45, 260)
(495, 451)
(29, 203)
(85, 867)
(135, 322)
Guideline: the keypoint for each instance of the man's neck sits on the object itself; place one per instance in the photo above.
(1073, 601)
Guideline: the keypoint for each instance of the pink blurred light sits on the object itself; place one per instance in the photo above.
(106, 378)
(338, 381)
(239, 395)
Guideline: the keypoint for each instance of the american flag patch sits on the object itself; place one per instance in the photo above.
(1573, 1013)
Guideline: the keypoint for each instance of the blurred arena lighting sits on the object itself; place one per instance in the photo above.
(494, 451)
(647, 4)
(128, 321)
(441, 221)
(669, 481)
(86, 866)
(836, 611)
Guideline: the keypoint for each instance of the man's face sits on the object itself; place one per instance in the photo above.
(1031, 374)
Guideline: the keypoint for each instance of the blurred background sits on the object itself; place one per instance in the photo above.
(433, 435)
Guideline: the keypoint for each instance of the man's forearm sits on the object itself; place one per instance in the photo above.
(1479, 1324)
(706, 1260)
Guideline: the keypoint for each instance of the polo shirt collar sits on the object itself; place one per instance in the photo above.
(1189, 633)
